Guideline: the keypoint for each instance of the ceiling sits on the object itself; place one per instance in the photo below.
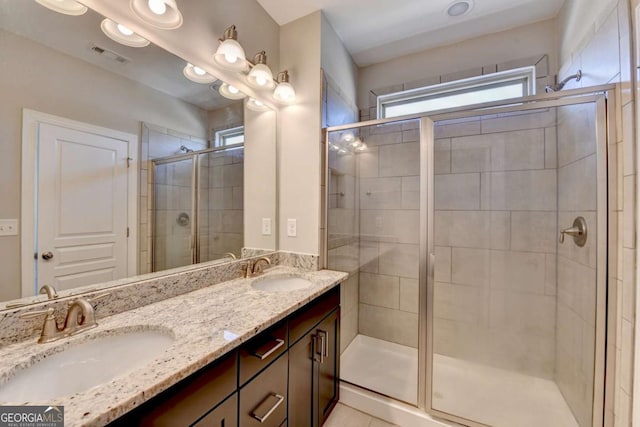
(378, 30)
(75, 36)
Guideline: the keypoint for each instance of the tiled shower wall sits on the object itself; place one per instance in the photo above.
(389, 232)
(224, 202)
(495, 237)
(343, 250)
(156, 142)
(576, 311)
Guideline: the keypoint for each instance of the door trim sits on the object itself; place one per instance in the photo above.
(31, 121)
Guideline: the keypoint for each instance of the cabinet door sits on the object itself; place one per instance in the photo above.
(301, 368)
(328, 333)
(225, 415)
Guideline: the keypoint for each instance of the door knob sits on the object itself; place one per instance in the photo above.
(47, 256)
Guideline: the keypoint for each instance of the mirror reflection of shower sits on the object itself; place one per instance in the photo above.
(197, 206)
(559, 86)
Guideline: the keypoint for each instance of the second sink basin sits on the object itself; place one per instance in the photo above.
(85, 365)
(280, 283)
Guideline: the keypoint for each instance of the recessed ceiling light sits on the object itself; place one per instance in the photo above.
(459, 8)
(67, 7)
(121, 34)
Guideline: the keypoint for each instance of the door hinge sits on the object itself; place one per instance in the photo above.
(127, 231)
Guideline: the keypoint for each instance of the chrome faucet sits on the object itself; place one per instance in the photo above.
(50, 291)
(80, 317)
(255, 269)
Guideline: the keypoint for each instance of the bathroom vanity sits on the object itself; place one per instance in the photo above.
(287, 375)
(246, 351)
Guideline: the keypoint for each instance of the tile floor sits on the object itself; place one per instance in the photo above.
(344, 416)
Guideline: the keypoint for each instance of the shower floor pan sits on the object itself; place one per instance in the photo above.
(470, 390)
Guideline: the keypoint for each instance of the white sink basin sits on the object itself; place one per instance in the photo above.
(85, 365)
(280, 283)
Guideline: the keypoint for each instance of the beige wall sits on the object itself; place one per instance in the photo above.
(337, 63)
(45, 80)
(596, 38)
(523, 42)
(299, 136)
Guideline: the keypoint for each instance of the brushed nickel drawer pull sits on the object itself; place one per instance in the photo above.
(263, 418)
(263, 355)
(322, 350)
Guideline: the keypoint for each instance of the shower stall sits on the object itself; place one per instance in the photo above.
(197, 207)
(476, 245)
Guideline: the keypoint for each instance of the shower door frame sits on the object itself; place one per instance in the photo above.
(604, 98)
(600, 99)
(196, 157)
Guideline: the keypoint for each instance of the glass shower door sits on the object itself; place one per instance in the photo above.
(513, 319)
(373, 234)
(174, 220)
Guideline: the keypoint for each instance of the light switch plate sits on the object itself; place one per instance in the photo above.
(8, 227)
(292, 228)
(266, 226)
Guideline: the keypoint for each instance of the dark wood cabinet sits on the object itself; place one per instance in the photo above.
(314, 364)
(285, 376)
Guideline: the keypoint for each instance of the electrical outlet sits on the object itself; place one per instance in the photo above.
(266, 226)
(292, 227)
(8, 227)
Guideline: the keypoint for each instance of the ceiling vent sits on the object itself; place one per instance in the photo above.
(109, 54)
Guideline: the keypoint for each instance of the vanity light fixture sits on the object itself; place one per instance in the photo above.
(230, 54)
(66, 7)
(121, 34)
(162, 14)
(260, 76)
(197, 74)
(256, 105)
(284, 93)
(231, 92)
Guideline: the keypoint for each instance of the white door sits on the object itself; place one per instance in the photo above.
(82, 210)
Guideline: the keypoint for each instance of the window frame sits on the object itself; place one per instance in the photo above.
(221, 136)
(525, 75)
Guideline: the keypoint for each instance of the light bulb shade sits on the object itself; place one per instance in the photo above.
(284, 93)
(67, 7)
(190, 73)
(110, 29)
(261, 77)
(230, 55)
(147, 10)
(256, 105)
(231, 92)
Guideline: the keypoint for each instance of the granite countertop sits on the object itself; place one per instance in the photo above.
(201, 322)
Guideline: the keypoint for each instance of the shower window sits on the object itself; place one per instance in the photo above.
(477, 90)
(232, 136)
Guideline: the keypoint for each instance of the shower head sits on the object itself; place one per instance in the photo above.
(186, 149)
(559, 86)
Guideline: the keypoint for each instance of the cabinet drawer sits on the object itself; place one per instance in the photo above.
(225, 415)
(260, 351)
(190, 399)
(263, 401)
(307, 317)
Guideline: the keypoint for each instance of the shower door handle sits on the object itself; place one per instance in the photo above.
(432, 265)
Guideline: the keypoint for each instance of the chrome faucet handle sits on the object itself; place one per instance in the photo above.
(36, 314)
(50, 331)
(50, 291)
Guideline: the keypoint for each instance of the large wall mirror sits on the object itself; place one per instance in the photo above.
(120, 161)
